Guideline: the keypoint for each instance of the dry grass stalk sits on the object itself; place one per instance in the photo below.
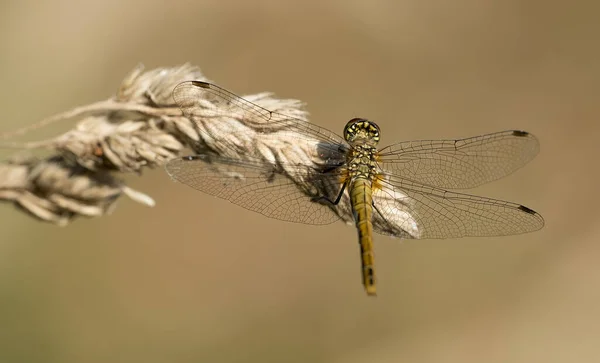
(138, 127)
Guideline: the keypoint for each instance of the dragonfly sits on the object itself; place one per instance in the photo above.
(296, 171)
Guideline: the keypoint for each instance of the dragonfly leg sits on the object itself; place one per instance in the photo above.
(333, 202)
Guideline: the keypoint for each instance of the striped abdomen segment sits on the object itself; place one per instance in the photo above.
(362, 207)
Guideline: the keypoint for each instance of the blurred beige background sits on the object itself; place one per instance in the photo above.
(197, 279)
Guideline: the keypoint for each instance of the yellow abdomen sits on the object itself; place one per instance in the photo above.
(362, 206)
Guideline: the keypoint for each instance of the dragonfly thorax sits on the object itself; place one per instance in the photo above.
(362, 162)
(361, 131)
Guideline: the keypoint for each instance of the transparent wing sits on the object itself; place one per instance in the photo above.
(463, 163)
(260, 186)
(206, 100)
(429, 212)
(407, 207)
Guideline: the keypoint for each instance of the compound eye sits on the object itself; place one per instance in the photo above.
(352, 128)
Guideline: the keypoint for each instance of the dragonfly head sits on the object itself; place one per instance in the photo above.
(361, 130)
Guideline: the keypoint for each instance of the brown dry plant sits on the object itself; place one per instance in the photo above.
(140, 126)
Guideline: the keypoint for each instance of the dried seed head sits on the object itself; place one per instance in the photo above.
(139, 127)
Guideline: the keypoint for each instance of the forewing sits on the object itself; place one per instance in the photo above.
(203, 100)
(462, 163)
(260, 186)
(429, 212)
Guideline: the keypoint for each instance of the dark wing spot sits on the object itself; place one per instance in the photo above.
(201, 84)
(520, 133)
(205, 158)
(527, 210)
